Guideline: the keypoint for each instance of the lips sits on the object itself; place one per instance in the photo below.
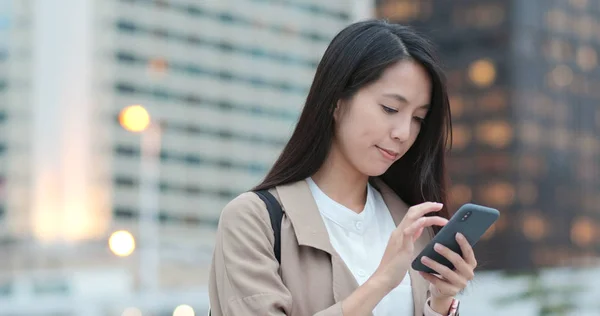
(388, 154)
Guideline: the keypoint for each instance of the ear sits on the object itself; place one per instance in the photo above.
(337, 110)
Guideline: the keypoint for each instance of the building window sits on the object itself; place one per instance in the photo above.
(124, 213)
(222, 74)
(193, 189)
(126, 26)
(223, 134)
(120, 180)
(124, 181)
(164, 217)
(192, 100)
(194, 10)
(125, 57)
(309, 7)
(125, 88)
(190, 159)
(218, 44)
(128, 151)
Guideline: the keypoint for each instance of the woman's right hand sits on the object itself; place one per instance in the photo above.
(395, 262)
(400, 249)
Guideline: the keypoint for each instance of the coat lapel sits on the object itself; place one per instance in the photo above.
(300, 207)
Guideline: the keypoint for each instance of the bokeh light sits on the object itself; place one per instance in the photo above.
(134, 118)
(121, 243)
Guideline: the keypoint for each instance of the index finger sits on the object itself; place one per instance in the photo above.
(420, 210)
(423, 222)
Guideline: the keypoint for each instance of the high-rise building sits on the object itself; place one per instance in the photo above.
(224, 79)
(227, 78)
(524, 91)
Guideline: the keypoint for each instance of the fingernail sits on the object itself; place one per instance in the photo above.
(424, 259)
(437, 246)
(460, 236)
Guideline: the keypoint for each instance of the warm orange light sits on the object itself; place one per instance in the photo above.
(489, 233)
(457, 105)
(498, 193)
(534, 227)
(461, 136)
(461, 194)
(482, 72)
(134, 118)
(498, 134)
(582, 231)
(159, 65)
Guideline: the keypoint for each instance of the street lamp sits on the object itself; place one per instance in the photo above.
(135, 118)
(121, 243)
(183, 310)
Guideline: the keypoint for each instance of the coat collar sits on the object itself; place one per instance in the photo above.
(301, 209)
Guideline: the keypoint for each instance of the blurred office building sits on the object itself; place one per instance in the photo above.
(221, 83)
(524, 90)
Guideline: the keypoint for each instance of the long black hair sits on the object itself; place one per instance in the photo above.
(356, 57)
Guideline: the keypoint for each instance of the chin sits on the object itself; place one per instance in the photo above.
(374, 171)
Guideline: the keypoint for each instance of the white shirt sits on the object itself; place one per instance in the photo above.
(360, 239)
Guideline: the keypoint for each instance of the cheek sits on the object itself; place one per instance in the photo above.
(415, 130)
(361, 126)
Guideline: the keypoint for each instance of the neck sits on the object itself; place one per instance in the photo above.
(341, 182)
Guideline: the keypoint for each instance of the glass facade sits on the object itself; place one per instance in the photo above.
(523, 82)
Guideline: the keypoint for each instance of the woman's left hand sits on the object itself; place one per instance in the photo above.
(451, 282)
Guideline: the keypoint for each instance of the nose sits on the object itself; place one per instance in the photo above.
(401, 129)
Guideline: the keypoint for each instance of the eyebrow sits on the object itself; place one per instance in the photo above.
(403, 99)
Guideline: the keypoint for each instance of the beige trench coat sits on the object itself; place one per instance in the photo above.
(245, 277)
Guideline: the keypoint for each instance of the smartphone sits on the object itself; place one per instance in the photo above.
(471, 220)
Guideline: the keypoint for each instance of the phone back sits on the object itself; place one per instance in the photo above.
(471, 220)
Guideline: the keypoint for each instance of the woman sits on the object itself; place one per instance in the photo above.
(369, 143)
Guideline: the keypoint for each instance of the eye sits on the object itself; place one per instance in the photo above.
(388, 109)
(420, 120)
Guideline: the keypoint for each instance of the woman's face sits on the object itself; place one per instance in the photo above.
(380, 123)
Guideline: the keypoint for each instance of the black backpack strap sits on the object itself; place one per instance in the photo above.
(276, 215)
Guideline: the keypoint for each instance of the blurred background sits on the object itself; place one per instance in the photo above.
(126, 126)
